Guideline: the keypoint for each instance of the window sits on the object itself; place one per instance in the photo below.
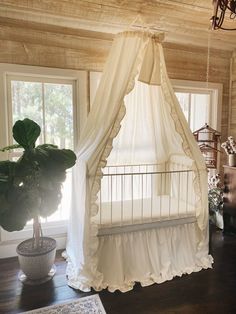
(195, 107)
(200, 104)
(56, 100)
(49, 102)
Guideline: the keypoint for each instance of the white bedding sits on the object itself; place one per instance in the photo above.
(158, 208)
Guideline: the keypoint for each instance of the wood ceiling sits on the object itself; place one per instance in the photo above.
(182, 21)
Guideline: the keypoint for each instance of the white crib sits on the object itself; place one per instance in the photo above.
(137, 197)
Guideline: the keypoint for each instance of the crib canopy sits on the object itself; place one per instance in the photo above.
(135, 119)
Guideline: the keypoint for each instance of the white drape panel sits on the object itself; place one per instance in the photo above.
(158, 255)
(119, 72)
(171, 132)
(147, 134)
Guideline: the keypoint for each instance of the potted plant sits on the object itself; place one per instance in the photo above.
(30, 188)
(215, 197)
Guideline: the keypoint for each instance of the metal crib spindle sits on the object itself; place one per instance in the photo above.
(142, 197)
(100, 205)
(116, 183)
(160, 195)
(194, 195)
(147, 176)
(187, 193)
(164, 185)
(108, 183)
(122, 200)
(151, 195)
(111, 197)
(169, 196)
(178, 191)
(132, 196)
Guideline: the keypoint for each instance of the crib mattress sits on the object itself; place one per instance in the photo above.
(158, 208)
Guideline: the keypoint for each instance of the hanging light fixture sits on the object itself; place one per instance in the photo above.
(220, 8)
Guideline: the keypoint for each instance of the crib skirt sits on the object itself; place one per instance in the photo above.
(149, 256)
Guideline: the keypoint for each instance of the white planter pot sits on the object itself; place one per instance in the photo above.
(36, 265)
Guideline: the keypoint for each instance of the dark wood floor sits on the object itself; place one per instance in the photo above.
(208, 291)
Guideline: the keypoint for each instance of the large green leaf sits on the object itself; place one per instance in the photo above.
(26, 132)
(7, 167)
(32, 185)
(4, 204)
(14, 219)
(63, 158)
(50, 200)
(3, 187)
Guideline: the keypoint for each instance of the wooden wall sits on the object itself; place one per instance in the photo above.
(232, 116)
(62, 47)
(190, 63)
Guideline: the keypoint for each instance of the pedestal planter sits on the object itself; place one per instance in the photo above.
(36, 265)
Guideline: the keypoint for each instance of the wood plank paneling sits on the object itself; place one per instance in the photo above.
(183, 22)
(49, 56)
(44, 44)
(190, 63)
(232, 116)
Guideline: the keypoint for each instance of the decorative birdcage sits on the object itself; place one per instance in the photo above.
(208, 140)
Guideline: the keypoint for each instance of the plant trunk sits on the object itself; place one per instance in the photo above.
(37, 232)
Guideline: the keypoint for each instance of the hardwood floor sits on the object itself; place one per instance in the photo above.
(208, 291)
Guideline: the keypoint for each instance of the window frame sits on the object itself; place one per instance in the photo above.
(216, 95)
(58, 229)
(215, 91)
(43, 80)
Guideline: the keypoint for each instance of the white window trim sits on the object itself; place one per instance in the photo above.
(214, 89)
(9, 241)
(216, 92)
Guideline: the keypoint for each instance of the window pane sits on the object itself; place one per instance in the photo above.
(199, 110)
(51, 106)
(183, 99)
(27, 102)
(58, 102)
(58, 114)
(195, 108)
(95, 78)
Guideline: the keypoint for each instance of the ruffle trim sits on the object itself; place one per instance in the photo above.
(75, 279)
(179, 129)
(77, 282)
(93, 241)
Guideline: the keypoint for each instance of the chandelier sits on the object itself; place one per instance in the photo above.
(220, 8)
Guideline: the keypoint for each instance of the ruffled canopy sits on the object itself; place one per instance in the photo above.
(135, 57)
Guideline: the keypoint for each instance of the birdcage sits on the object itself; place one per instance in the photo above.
(208, 140)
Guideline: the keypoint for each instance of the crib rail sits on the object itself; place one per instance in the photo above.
(142, 194)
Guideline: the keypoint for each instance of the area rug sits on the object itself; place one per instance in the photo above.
(87, 305)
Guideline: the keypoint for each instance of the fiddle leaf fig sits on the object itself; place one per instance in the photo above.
(31, 186)
(26, 132)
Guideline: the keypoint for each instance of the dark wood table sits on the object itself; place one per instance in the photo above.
(229, 207)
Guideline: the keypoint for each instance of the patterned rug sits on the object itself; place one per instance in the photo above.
(86, 305)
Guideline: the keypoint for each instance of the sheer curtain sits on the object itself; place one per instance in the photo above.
(147, 134)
